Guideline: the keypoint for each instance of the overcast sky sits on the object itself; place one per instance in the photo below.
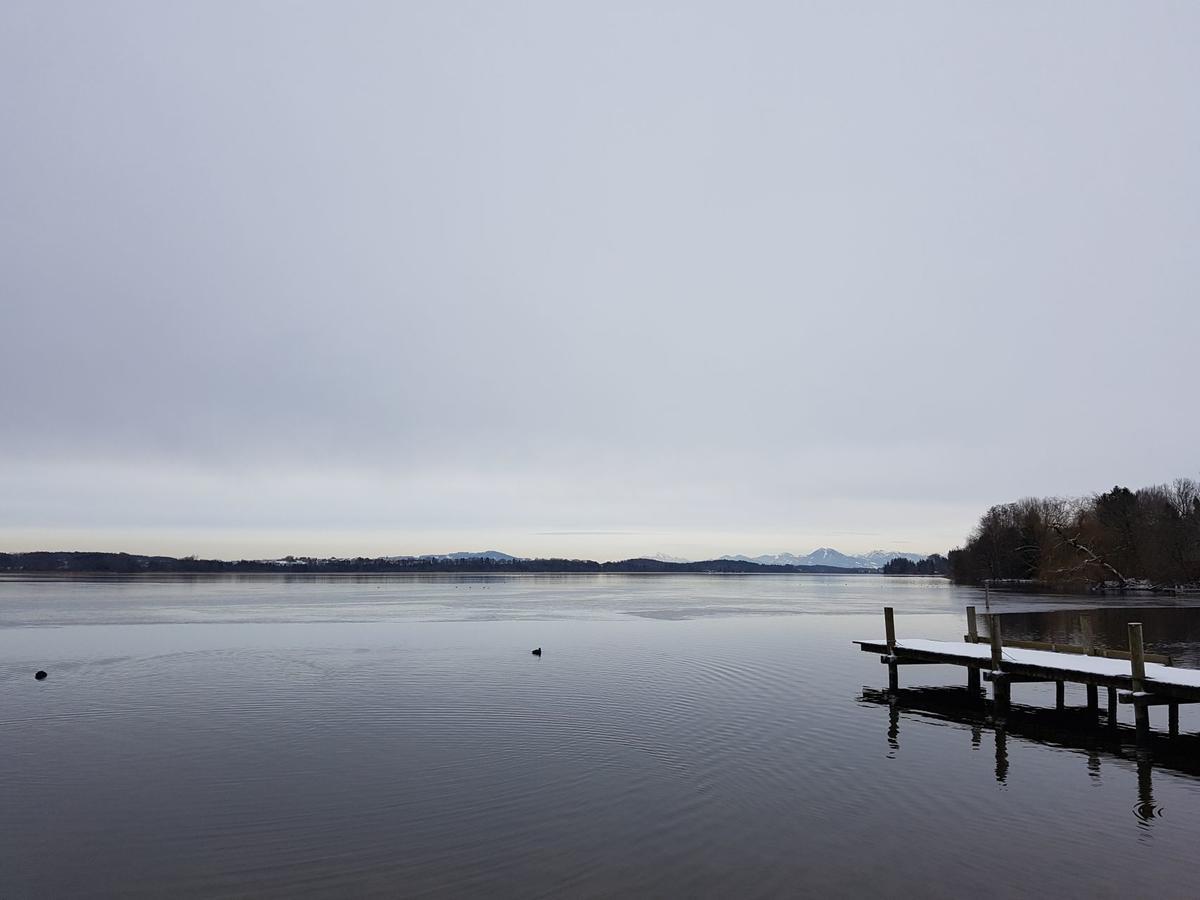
(590, 279)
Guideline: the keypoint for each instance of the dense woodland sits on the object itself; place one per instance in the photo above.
(128, 563)
(1121, 539)
(935, 564)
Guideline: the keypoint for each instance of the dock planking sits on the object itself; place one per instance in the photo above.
(1130, 676)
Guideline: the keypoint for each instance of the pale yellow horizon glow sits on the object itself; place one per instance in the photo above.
(598, 545)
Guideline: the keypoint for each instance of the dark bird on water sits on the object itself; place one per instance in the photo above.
(40, 676)
(537, 652)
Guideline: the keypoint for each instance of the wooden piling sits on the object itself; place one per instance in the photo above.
(889, 629)
(1112, 706)
(1060, 695)
(972, 637)
(1001, 689)
(1137, 663)
(1093, 699)
(1173, 719)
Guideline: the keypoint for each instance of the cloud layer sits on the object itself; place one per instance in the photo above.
(317, 274)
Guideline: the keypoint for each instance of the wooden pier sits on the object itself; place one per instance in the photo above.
(1130, 676)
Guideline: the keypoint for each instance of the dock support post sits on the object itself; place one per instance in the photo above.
(973, 637)
(1001, 690)
(1112, 707)
(1093, 699)
(1002, 693)
(1137, 662)
(1060, 695)
(889, 627)
(1173, 719)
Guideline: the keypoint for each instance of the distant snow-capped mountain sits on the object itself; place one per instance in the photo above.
(773, 559)
(494, 555)
(663, 557)
(877, 558)
(827, 556)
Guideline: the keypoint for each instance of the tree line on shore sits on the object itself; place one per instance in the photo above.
(1120, 539)
(934, 564)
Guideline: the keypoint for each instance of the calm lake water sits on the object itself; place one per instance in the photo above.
(680, 736)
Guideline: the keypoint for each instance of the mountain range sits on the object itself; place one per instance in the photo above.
(493, 555)
(827, 556)
(822, 556)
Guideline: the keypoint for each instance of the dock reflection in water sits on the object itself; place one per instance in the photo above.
(1072, 730)
(1172, 630)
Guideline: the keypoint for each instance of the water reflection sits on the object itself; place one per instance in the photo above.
(1001, 735)
(1146, 810)
(1172, 630)
(1073, 730)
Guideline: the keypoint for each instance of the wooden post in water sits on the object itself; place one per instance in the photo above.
(1112, 707)
(997, 642)
(889, 628)
(1000, 687)
(1089, 635)
(1173, 719)
(973, 637)
(1060, 695)
(1093, 699)
(1137, 663)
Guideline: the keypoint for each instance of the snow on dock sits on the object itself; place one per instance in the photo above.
(1069, 664)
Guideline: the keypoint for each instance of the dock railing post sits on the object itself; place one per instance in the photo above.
(889, 627)
(1000, 686)
(1137, 663)
(972, 637)
(1088, 632)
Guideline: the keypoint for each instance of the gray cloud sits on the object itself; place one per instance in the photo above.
(501, 271)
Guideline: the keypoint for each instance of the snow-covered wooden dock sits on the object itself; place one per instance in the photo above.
(1131, 676)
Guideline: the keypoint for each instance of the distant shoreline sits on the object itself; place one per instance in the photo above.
(10, 574)
(85, 563)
